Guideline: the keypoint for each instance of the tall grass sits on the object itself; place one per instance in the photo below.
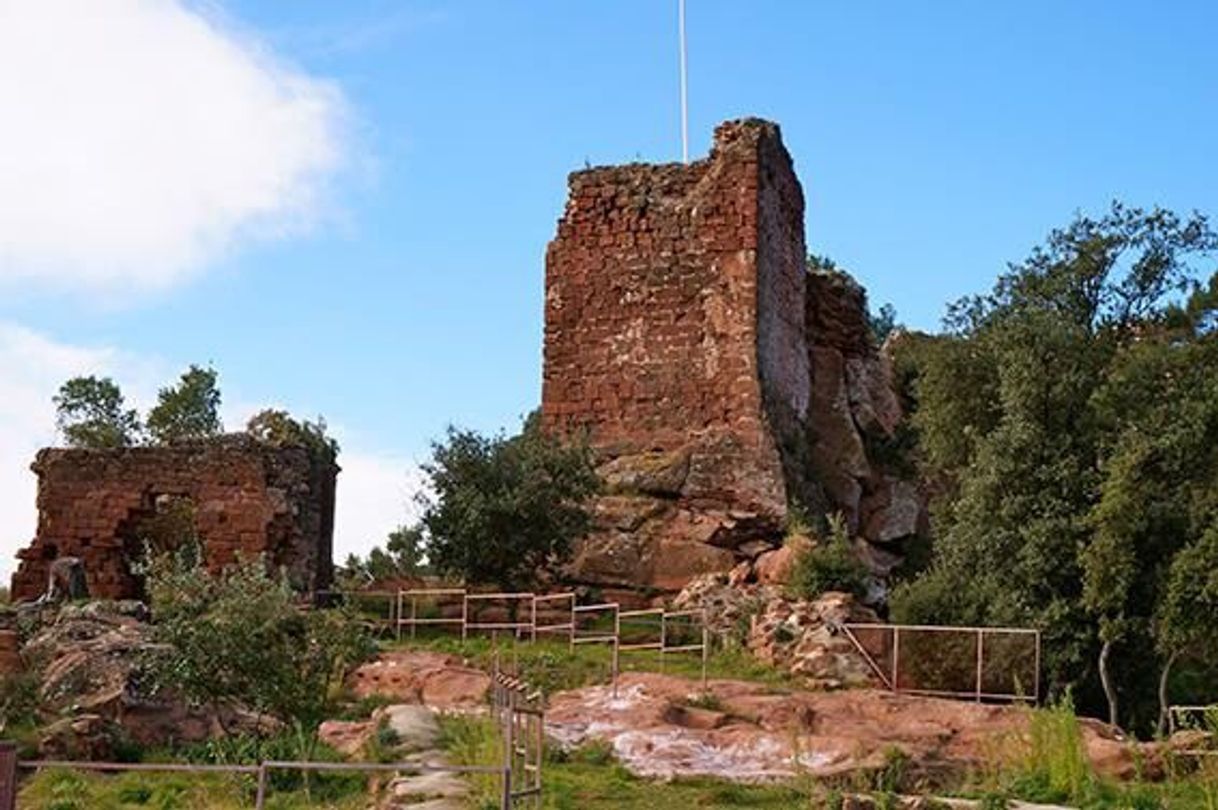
(1056, 756)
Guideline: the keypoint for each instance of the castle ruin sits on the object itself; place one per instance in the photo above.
(719, 380)
(241, 498)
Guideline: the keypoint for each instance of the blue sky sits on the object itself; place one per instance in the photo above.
(397, 287)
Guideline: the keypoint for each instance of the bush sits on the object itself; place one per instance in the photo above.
(505, 508)
(18, 700)
(830, 566)
(238, 636)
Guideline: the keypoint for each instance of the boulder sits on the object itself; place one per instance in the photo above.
(652, 473)
(422, 677)
(892, 510)
(348, 737)
(80, 737)
(801, 638)
(775, 567)
(415, 727)
(872, 396)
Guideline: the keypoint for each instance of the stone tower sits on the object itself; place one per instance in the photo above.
(679, 338)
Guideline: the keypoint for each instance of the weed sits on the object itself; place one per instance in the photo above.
(705, 700)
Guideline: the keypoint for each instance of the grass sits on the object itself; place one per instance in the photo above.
(1050, 766)
(72, 790)
(550, 664)
(1047, 765)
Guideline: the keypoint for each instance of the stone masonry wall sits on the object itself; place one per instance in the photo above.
(244, 497)
(651, 316)
(717, 378)
(674, 338)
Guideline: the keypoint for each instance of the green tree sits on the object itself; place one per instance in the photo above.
(1014, 429)
(188, 410)
(91, 412)
(401, 557)
(501, 509)
(279, 428)
(1187, 620)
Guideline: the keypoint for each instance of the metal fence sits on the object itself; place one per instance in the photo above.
(519, 713)
(525, 616)
(979, 663)
(432, 600)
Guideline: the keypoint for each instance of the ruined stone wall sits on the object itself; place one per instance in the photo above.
(652, 316)
(243, 497)
(717, 378)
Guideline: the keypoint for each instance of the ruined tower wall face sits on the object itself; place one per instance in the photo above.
(667, 324)
(246, 498)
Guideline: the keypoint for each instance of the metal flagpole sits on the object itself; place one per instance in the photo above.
(684, 103)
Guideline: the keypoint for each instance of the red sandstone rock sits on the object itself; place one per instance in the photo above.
(10, 653)
(775, 567)
(433, 679)
(348, 737)
(777, 734)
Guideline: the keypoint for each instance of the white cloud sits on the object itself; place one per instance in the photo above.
(142, 138)
(375, 491)
(375, 496)
(32, 367)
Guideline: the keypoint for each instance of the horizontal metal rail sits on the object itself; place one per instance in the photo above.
(114, 767)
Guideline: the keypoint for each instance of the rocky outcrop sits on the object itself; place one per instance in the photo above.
(801, 638)
(658, 726)
(856, 419)
(89, 660)
(718, 380)
(432, 679)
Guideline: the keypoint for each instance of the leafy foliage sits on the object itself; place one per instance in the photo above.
(500, 509)
(832, 565)
(188, 410)
(401, 557)
(238, 636)
(91, 413)
(1067, 418)
(279, 429)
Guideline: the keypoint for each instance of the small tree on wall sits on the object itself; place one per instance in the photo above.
(503, 508)
(188, 410)
(91, 412)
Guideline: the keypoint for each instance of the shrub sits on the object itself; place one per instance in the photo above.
(504, 508)
(830, 566)
(238, 636)
(18, 700)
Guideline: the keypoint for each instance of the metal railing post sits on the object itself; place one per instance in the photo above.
(260, 798)
(397, 630)
(509, 745)
(8, 775)
(705, 650)
(980, 660)
(896, 658)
